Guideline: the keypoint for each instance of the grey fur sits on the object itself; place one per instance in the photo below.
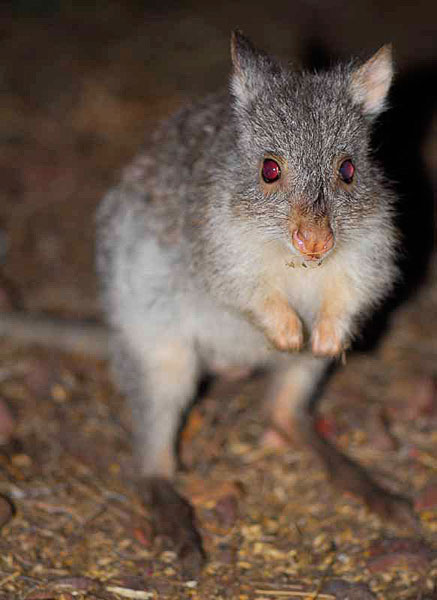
(192, 246)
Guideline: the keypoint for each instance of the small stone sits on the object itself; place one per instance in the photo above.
(23, 461)
(399, 553)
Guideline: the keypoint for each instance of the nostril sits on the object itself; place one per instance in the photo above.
(298, 242)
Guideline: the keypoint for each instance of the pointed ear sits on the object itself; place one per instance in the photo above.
(370, 83)
(251, 68)
(242, 50)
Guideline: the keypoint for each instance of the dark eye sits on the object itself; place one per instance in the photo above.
(271, 171)
(347, 171)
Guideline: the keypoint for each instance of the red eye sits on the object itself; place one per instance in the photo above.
(347, 171)
(271, 171)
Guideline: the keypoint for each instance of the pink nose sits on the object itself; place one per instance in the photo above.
(313, 241)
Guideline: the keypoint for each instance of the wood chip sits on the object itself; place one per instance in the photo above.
(128, 593)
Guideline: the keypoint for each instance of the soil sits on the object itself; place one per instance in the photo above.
(81, 86)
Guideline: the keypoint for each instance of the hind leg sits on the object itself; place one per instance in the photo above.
(296, 392)
(292, 382)
(159, 384)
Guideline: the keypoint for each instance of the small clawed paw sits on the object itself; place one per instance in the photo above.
(326, 339)
(290, 337)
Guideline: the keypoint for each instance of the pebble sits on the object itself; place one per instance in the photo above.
(399, 553)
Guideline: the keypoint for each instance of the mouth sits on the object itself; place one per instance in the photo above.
(305, 263)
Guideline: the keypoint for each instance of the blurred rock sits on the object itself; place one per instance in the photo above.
(399, 553)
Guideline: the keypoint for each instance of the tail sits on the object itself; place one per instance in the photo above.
(82, 337)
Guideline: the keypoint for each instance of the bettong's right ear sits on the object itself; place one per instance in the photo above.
(251, 68)
(242, 50)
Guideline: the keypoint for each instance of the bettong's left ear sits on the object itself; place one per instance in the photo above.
(370, 83)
